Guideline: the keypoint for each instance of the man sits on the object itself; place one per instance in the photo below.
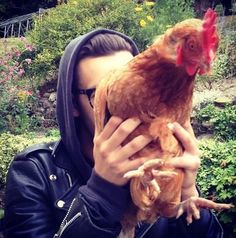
(76, 188)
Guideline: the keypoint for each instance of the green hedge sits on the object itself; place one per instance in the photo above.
(221, 121)
(1, 213)
(217, 179)
(58, 26)
(11, 144)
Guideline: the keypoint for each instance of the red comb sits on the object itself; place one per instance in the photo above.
(210, 38)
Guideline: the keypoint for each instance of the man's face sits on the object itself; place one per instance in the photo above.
(90, 71)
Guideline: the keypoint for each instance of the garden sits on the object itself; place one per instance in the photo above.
(28, 79)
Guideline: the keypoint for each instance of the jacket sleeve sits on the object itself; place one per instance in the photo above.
(207, 226)
(29, 207)
(27, 210)
(96, 211)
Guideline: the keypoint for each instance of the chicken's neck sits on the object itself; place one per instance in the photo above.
(164, 81)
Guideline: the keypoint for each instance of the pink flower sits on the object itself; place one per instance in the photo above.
(28, 61)
(29, 47)
(18, 53)
(21, 72)
(29, 93)
(22, 38)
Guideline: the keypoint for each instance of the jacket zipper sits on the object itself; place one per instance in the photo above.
(66, 223)
(145, 232)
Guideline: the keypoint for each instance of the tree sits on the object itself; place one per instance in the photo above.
(13, 8)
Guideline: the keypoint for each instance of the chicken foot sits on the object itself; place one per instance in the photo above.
(148, 172)
(192, 207)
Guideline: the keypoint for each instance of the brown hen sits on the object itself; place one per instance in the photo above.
(157, 87)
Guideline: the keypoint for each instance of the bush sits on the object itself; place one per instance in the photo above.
(224, 66)
(60, 25)
(16, 89)
(57, 27)
(217, 179)
(166, 13)
(12, 144)
(222, 121)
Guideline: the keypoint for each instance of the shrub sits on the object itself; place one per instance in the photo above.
(217, 179)
(12, 144)
(166, 13)
(60, 25)
(57, 27)
(15, 88)
(224, 66)
(222, 120)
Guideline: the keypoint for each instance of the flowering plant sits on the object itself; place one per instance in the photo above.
(16, 89)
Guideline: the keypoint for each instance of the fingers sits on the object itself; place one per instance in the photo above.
(188, 127)
(134, 146)
(185, 162)
(186, 138)
(116, 131)
(110, 127)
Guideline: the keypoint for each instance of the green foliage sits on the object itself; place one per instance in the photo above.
(56, 28)
(60, 25)
(222, 120)
(1, 213)
(225, 64)
(55, 133)
(12, 144)
(217, 178)
(166, 14)
(16, 88)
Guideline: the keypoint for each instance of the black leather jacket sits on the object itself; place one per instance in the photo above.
(42, 201)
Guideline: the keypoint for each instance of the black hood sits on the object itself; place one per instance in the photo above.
(65, 118)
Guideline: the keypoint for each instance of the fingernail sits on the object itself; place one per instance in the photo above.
(170, 126)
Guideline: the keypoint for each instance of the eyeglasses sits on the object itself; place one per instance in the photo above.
(90, 92)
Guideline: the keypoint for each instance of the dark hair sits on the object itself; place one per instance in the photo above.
(104, 44)
(101, 45)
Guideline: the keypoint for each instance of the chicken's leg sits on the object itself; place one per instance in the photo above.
(192, 207)
(148, 173)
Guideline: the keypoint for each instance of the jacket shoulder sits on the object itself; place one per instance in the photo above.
(35, 149)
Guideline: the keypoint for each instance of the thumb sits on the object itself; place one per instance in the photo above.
(186, 162)
(185, 138)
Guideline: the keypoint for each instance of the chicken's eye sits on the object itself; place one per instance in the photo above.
(191, 44)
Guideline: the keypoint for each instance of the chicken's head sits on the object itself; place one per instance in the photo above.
(197, 43)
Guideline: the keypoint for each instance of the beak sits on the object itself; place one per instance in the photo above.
(205, 69)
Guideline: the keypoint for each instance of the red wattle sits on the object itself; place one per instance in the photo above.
(191, 70)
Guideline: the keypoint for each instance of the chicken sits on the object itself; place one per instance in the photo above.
(157, 87)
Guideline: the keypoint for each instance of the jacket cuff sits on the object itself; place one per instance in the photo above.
(109, 199)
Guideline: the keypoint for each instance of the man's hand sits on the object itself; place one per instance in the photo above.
(111, 158)
(189, 161)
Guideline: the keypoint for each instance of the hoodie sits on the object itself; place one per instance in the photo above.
(96, 191)
(64, 107)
